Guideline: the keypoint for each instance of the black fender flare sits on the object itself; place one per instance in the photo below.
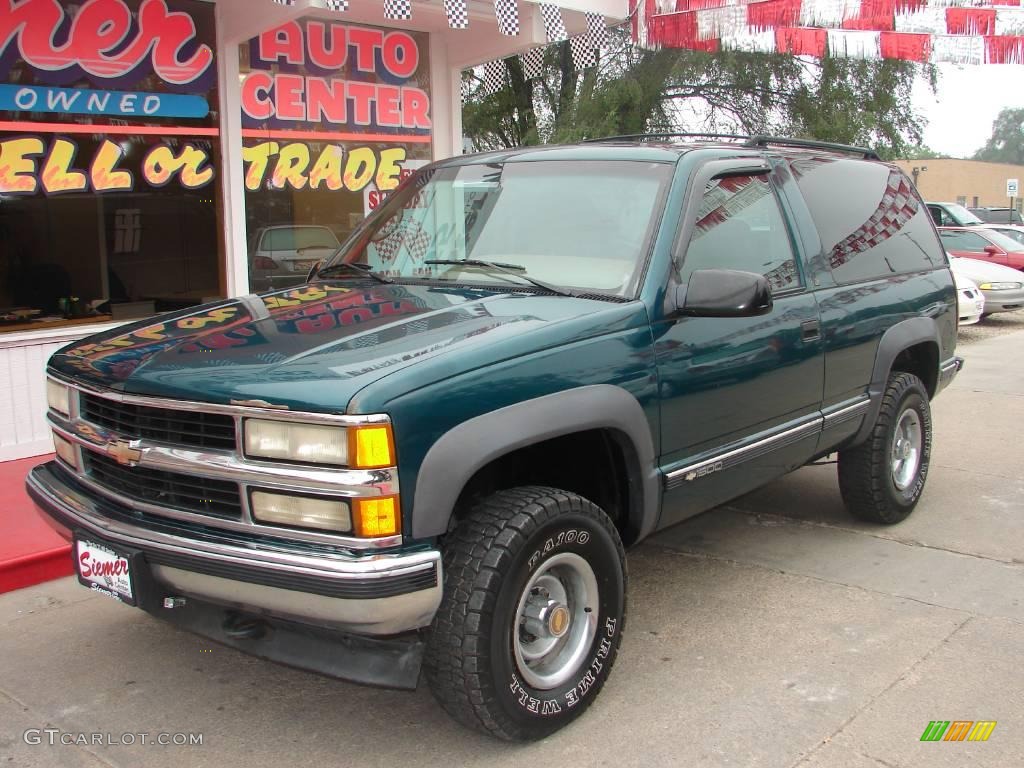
(460, 452)
(905, 334)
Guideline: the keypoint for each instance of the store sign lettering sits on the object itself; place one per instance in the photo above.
(321, 47)
(28, 165)
(104, 40)
(83, 101)
(334, 167)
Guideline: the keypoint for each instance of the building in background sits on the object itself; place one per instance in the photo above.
(970, 183)
(157, 154)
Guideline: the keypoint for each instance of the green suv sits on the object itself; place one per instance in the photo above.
(432, 456)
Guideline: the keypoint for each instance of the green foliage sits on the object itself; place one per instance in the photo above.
(1006, 145)
(636, 91)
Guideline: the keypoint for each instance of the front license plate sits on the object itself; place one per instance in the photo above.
(103, 570)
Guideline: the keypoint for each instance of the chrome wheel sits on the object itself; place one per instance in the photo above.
(906, 449)
(555, 621)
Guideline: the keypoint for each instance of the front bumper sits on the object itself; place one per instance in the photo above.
(373, 594)
(1003, 301)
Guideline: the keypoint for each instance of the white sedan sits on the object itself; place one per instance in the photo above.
(1002, 287)
(969, 301)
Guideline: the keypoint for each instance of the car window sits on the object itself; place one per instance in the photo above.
(294, 238)
(1016, 235)
(871, 221)
(959, 240)
(740, 226)
(959, 216)
(939, 216)
(1001, 240)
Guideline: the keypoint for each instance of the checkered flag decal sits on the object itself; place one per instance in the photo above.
(597, 30)
(533, 63)
(494, 76)
(897, 207)
(458, 13)
(397, 9)
(554, 25)
(338, 6)
(507, 14)
(583, 56)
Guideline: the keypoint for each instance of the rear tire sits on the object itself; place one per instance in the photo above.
(532, 615)
(881, 480)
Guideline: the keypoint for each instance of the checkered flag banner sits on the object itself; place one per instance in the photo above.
(397, 9)
(338, 6)
(533, 63)
(494, 76)
(507, 14)
(458, 13)
(583, 56)
(284, 2)
(554, 25)
(597, 30)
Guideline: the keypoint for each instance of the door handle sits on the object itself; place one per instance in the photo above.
(810, 330)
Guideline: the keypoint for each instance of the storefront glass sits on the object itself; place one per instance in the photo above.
(334, 115)
(109, 157)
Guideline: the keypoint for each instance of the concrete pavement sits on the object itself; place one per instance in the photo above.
(774, 631)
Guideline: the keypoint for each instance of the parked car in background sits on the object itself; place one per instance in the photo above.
(984, 245)
(283, 255)
(970, 302)
(1002, 287)
(952, 215)
(1003, 215)
(1014, 233)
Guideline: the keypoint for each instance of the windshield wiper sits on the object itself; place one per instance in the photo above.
(362, 269)
(516, 270)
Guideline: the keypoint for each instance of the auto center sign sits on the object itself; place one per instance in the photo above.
(336, 75)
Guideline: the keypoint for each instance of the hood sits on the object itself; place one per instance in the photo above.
(315, 346)
(984, 271)
(963, 282)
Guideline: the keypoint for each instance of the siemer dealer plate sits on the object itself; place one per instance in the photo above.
(104, 570)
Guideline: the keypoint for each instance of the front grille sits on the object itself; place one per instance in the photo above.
(166, 425)
(202, 495)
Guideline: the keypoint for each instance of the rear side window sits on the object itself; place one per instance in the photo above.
(963, 241)
(871, 222)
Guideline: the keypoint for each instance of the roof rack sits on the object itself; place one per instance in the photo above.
(748, 141)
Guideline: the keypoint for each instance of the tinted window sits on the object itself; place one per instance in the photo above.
(294, 238)
(871, 222)
(740, 226)
(959, 240)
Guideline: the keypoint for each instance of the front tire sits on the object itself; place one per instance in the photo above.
(881, 480)
(532, 615)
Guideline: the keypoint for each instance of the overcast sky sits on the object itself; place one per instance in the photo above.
(961, 112)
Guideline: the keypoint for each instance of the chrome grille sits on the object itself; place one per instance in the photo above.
(200, 495)
(195, 429)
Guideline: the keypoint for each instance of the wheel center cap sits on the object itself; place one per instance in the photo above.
(906, 450)
(558, 621)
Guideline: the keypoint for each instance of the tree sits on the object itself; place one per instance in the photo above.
(1006, 145)
(636, 91)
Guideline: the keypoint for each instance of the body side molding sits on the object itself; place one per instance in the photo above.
(457, 455)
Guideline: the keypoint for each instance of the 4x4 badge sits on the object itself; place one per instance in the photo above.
(125, 452)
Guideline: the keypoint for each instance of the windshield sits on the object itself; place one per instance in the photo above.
(573, 224)
(961, 215)
(295, 238)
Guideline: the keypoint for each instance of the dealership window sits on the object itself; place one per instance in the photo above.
(108, 161)
(334, 115)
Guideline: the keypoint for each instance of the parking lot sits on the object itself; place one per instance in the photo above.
(773, 631)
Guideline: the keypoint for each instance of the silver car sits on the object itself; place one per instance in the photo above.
(1002, 287)
(282, 255)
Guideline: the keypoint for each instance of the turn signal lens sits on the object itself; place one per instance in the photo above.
(372, 518)
(371, 447)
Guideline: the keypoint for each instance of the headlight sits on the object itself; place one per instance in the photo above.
(58, 397)
(361, 447)
(1000, 286)
(301, 511)
(290, 441)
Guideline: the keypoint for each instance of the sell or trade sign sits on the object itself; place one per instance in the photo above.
(294, 78)
(33, 164)
(85, 56)
(333, 167)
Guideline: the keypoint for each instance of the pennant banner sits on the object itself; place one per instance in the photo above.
(533, 63)
(960, 31)
(507, 14)
(598, 31)
(398, 9)
(554, 25)
(458, 13)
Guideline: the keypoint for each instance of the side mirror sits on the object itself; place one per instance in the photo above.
(991, 250)
(724, 293)
(311, 276)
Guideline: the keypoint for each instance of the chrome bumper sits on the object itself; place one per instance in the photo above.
(947, 371)
(373, 594)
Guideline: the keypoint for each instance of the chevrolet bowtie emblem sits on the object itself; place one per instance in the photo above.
(125, 452)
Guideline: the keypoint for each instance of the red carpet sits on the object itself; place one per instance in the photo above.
(30, 551)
